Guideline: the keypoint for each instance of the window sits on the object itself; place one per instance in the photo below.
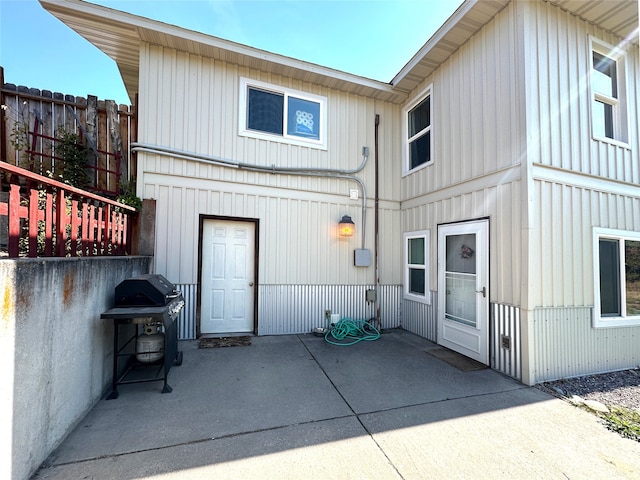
(617, 278)
(608, 108)
(418, 143)
(416, 272)
(275, 113)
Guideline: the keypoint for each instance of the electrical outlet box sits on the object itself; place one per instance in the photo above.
(362, 257)
(505, 342)
(353, 193)
(371, 296)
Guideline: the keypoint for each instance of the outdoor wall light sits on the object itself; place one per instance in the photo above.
(346, 227)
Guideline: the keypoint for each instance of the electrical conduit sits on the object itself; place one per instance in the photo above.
(273, 169)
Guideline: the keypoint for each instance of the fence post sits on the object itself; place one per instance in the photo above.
(34, 214)
(14, 220)
(60, 223)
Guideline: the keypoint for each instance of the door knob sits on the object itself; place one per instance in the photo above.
(483, 291)
(251, 284)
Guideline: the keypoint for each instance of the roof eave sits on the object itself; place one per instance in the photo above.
(119, 35)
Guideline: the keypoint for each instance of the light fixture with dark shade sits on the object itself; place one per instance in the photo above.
(346, 228)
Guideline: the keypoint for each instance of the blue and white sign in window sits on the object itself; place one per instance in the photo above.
(304, 116)
(275, 113)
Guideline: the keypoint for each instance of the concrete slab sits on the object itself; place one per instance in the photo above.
(216, 392)
(325, 450)
(397, 371)
(519, 434)
(292, 407)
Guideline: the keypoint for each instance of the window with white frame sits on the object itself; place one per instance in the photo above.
(608, 90)
(617, 277)
(416, 268)
(417, 130)
(281, 114)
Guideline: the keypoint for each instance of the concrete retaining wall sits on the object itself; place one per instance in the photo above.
(56, 351)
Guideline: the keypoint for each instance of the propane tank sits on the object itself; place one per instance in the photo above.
(150, 345)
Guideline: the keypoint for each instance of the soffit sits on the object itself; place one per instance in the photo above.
(619, 17)
(465, 22)
(120, 35)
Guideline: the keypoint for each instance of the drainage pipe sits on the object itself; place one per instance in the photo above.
(273, 169)
(376, 221)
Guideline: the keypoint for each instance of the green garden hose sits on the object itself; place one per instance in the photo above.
(349, 332)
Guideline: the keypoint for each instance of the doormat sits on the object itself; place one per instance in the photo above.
(209, 342)
(456, 359)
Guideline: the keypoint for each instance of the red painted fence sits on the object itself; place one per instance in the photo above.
(42, 217)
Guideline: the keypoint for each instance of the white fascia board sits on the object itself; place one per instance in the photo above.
(79, 9)
(435, 39)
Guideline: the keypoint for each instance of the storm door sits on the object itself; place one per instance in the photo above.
(463, 283)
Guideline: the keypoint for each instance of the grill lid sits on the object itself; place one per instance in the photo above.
(145, 290)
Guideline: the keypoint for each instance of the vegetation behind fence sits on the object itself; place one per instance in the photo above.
(33, 122)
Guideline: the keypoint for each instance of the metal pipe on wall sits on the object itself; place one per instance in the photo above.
(376, 221)
(273, 169)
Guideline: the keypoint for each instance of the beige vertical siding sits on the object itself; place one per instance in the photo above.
(477, 111)
(501, 204)
(567, 346)
(563, 239)
(285, 309)
(298, 240)
(558, 114)
(192, 104)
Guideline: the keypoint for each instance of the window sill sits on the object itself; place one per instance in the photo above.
(415, 298)
(612, 142)
(613, 322)
(417, 169)
(285, 140)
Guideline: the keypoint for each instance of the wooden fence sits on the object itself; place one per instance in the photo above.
(43, 217)
(32, 121)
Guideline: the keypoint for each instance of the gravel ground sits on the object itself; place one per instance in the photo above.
(616, 388)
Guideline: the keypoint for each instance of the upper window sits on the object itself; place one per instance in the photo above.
(418, 142)
(416, 271)
(608, 105)
(617, 278)
(275, 113)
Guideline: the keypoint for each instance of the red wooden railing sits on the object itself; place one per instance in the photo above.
(43, 217)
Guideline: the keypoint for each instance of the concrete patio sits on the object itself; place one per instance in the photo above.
(294, 407)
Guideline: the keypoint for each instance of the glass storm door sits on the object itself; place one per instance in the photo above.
(463, 283)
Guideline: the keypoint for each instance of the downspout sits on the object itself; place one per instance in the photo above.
(273, 169)
(376, 223)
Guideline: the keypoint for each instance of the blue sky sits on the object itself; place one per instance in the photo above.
(371, 38)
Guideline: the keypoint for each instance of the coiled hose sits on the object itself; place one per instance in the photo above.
(349, 332)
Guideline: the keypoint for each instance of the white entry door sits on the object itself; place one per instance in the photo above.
(463, 289)
(228, 276)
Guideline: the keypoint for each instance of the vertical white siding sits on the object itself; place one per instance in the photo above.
(478, 117)
(505, 323)
(421, 318)
(191, 104)
(298, 242)
(187, 318)
(567, 346)
(563, 238)
(558, 101)
(286, 309)
(501, 203)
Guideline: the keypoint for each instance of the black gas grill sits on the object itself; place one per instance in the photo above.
(145, 331)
